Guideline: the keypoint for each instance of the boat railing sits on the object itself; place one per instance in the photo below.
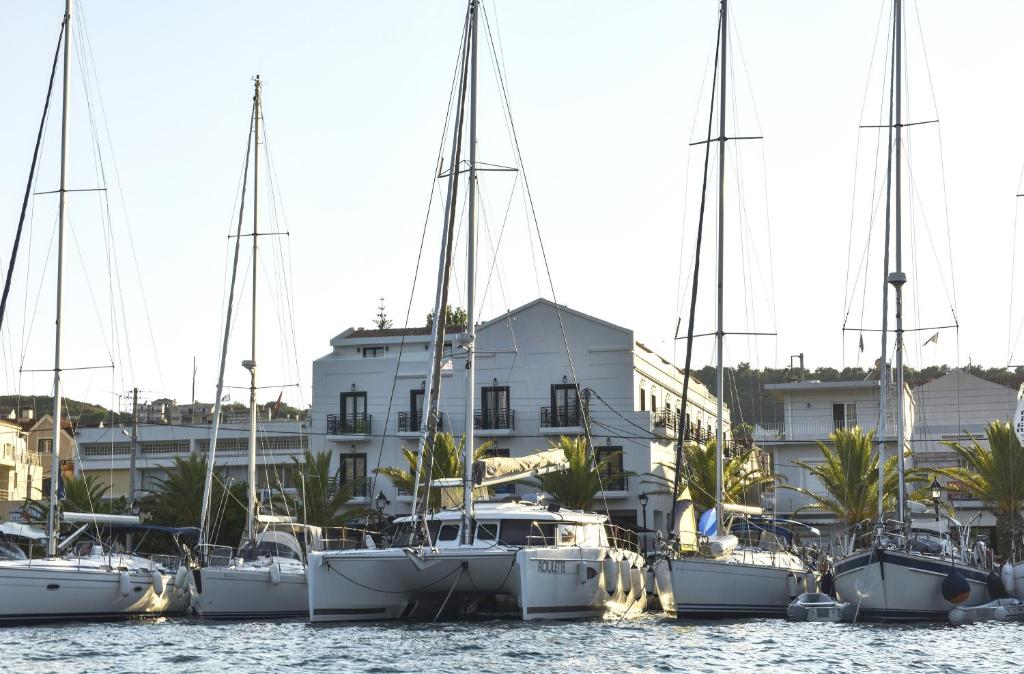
(216, 555)
(619, 537)
(168, 562)
(346, 538)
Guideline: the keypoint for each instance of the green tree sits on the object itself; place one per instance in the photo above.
(576, 486)
(849, 477)
(995, 475)
(321, 503)
(85, 494)
(446, 458)
(455, 318)
(177, 500)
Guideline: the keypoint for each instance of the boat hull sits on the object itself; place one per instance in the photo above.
(705, 587)
(58, 590)
(895, 586)
(236, 593)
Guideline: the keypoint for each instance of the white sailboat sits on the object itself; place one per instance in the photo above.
(521, 559)
(905, 574)
(91, 583)
(266, 577)
(717, 576)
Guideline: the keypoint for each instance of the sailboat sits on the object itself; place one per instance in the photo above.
(905, 574)
(523, 559)
(712, 575)
(90, 582)
(266, 576)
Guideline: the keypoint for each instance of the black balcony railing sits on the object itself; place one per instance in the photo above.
(613, 479)
(349, 424)
(666, 419)
(560, 417)
(360, 486)
(412, 422)
(494, 419)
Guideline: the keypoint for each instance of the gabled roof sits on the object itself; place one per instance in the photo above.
(541, 301)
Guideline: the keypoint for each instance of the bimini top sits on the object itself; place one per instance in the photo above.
(19, 530)
(517, 511)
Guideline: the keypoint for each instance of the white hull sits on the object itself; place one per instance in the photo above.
(59, 589)
(533, 583)
(888, 585)
(249, 591)
(727, 587)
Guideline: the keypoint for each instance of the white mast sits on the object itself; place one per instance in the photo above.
(470, 336)
(252, 506)
(52, 522)
(898, 278)
(720, 331)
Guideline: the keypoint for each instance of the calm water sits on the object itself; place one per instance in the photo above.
(642, 644)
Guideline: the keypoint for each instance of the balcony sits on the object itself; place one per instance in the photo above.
(410, 423)
(360, 486)
(561, 420)
(666, 419)
(350, 427)
(495, 422)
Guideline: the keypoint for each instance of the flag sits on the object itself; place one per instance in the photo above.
(226, 398)
(861, 344)
(934, 339)
(277, 405)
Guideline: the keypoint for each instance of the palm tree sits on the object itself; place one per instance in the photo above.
(741, 476)
(994, 475)
(177, 500)
(446, 459)
(84, 494)
(322, 503)
(849, 477)
(576, 486)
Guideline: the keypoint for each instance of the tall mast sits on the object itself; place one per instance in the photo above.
(470, 336)
(898, 278)
(52, 522)
(720, 330)
(252, 507)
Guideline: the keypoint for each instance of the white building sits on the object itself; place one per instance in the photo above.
(957, 407)
(21, 469)
(368, 398)
(105, 452)
(812, 411)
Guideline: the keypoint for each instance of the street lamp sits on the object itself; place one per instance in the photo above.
(644, 498)
(936, 495)
(381, 501)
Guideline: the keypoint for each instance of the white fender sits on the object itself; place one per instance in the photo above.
(124, 583)
(581, 572)
(791, 585)
(625, 576)
(275, 573)
(722, 545)
(1007, 575)
(610, 569)
(181, 578)
(158, 582)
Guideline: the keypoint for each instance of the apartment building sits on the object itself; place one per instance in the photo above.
(21, 469)
(538, 368)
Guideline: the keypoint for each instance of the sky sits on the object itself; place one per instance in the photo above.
(605, 97)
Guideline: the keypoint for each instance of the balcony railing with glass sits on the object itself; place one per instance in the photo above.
(349, 424)
(500, 419)
(560, 417)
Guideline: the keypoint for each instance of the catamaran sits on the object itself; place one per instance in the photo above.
(707, 573)
(523, 558)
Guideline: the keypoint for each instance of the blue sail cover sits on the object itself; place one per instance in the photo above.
(708, 524)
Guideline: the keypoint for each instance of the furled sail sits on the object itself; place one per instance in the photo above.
(504, 469)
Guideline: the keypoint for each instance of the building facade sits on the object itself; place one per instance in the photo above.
(812, 411)
(21, 469)
(106, 452)
(538, 369)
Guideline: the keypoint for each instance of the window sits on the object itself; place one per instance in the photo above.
(844, 415)
(44, 445)
(494, 412)
(565, 405)
(500, 489)
(526, 532)
(654, 402)
(353, 418)
(352, 471)
(374, 351)
(613, 477)
(487, 531)
(416, 409)
(643, 399)
(447, 531)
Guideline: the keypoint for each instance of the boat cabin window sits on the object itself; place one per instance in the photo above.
(10, 551)
(267, 549)
(448, 532)
(487, 531)
(526, 532)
